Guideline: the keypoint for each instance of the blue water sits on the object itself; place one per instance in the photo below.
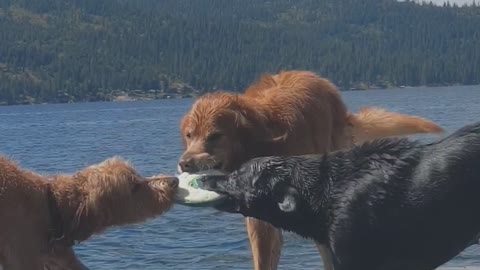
(67, 137)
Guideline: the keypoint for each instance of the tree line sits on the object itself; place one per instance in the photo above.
(82, 50)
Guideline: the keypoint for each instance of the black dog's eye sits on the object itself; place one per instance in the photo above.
(214, 137)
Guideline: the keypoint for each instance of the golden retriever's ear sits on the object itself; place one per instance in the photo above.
(278, 139)
(241, 120)
(255, 123)
(268, 145)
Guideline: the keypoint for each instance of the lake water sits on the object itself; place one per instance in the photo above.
(66, 137)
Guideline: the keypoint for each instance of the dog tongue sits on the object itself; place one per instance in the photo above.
(190, 192)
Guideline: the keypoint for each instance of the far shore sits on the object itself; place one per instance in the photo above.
(124, 97)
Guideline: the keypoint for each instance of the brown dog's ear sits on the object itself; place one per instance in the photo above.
(277, 140)
(241, 120)
(74, 228)
(288, 198)
(68, 231)
(270, 146)
(262, 138)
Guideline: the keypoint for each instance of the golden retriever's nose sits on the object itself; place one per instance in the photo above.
(187, 164)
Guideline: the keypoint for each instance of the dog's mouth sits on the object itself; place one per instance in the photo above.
(229, 205)
(220, 166)
(162, 190)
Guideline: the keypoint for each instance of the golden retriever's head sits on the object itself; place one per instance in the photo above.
(221, 131)
(112, 193)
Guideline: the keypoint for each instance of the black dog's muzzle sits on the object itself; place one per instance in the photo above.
(219, 183)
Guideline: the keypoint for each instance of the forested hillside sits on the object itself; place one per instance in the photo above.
(80, 50)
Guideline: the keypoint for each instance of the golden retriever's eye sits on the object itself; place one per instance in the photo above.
(188, 135)
(214, 137)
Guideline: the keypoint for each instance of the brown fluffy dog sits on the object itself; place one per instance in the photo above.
(290, 113)
(42, 217)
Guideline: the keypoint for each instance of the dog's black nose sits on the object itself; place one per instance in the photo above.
(173, 182)
(206, 182)
(212, 182)
(187, 165)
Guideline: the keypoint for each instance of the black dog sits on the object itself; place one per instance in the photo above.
(389, 204)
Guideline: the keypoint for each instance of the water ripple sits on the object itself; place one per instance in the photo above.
(67, 137)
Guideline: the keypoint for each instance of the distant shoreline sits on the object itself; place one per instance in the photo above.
(148, 97)
(126, 97)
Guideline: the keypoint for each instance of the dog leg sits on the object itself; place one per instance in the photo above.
(327, 256)
(266, 244)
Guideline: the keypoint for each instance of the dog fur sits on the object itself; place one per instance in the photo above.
(43, 216)
(387, 204)
(290, 113)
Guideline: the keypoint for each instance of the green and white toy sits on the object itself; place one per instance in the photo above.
(190, 192)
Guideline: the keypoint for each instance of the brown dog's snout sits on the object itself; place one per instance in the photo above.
(192, 162)
(172, 182)
(187, 164)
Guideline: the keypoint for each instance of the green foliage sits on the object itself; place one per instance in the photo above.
(81, 50)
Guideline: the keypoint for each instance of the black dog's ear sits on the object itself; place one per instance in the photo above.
(287, 198)
(255, 180)
(258, 173)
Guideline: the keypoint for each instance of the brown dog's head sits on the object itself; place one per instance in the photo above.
(111, 193)
(221, 131)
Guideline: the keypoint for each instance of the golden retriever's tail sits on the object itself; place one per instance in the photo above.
(374, 123)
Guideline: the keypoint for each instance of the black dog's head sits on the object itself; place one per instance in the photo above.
(264, 188)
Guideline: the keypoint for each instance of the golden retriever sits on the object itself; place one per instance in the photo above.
(290, 113)
(42, 217)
